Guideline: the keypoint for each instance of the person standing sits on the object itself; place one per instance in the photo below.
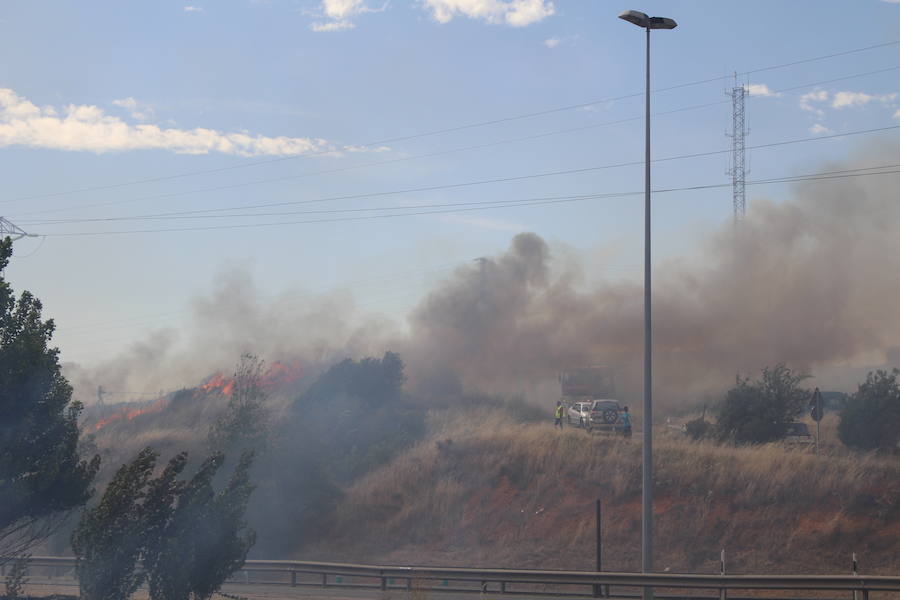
(625, 418)
(557, 422)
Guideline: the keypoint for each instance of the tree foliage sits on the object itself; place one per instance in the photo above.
(871, 418)
(109, 538)
(698, 428)
(41, 473)
(187, 537)
(205, 538)
(756, 412)
(244, 426)
(354, 417)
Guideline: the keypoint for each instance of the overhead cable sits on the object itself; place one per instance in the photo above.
(492, 205)
(441, 131)
(211, 211)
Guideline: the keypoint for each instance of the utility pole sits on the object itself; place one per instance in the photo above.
(738, 166)
(100, 392)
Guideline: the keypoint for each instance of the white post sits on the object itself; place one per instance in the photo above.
(723, 592)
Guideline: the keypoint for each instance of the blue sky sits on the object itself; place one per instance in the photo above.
(161, 107)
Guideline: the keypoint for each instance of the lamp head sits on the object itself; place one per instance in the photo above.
(662, 23)
(635, 16)
(642, 20)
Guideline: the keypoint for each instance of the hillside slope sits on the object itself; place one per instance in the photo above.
(483, 491)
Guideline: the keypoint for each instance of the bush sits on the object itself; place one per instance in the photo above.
(760, 411)
(188, 537)
(698, 429)
(354, 417)
(871, 418)
(17, 578)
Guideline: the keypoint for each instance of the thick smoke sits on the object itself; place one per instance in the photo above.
(231, 320)
(811, 282)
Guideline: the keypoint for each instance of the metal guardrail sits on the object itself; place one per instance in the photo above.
(504, 581)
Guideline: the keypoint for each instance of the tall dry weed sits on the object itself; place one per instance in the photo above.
(482, 489)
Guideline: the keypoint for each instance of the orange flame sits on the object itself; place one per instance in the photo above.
(219, 383)
(277, 375)
(129, 414)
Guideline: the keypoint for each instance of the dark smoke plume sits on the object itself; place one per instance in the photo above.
(812, 282)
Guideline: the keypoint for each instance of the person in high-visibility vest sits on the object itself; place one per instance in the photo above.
(559, 414)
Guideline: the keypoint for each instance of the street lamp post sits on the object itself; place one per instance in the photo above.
(642, 20)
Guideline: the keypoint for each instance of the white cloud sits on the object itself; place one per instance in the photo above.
(856, 99)
(808, 99)
(332, 26)
(138, 111)
(340, 14)
(897, 113)
(197, 9)
(762, 90)
(819, 128)
(88, 128)
(342, 9)
(515, 13)
(555, 42)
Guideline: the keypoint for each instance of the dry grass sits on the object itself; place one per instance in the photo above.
(483, 490)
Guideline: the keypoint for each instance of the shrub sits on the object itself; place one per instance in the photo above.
(760, 411)
(871, 418)
(698, 429)
(17, 578)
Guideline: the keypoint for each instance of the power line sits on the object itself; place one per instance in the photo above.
(437, 153)
(496, 204)
(446, 130)
(209, 212)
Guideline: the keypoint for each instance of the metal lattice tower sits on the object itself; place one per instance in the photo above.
(10, 229)
(738, 166)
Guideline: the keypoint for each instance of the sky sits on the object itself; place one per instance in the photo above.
(306, 142)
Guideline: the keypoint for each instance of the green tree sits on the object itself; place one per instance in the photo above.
(205, 537)
(110, 537)
(188, 538)
(354, 417)
(41, 472)
(756, 412)
(871, 418)
(244, 425)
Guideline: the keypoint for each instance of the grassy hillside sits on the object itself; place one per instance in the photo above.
(481, 490)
